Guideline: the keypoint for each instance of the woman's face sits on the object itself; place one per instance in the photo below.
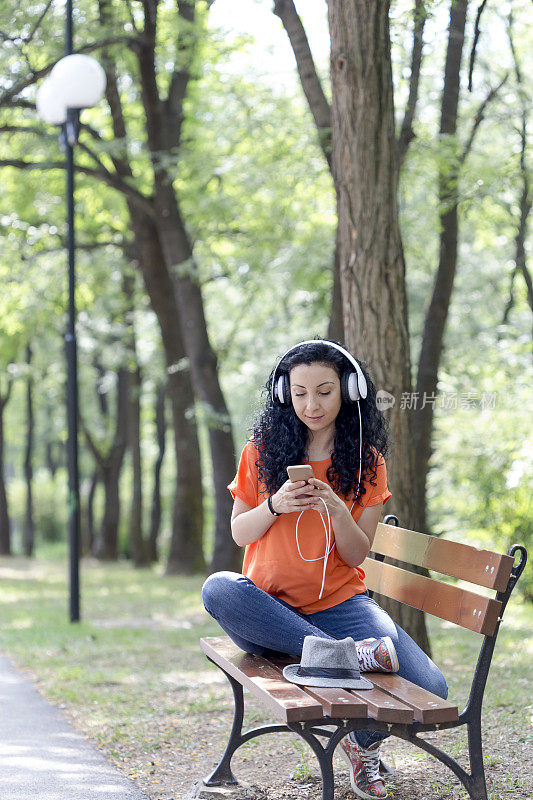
(316, 395)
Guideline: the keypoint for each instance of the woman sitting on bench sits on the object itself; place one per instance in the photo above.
(301, 574)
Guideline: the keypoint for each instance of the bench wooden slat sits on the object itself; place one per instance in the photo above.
(383, 706)
(262, 679)
(427, 707)
(339, 703)
(378, 704)
(468, 609)
(482, 567)
(335, 702)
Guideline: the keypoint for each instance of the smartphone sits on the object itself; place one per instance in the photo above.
(300, 472)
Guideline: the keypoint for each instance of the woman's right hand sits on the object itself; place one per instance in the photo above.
(292, 496)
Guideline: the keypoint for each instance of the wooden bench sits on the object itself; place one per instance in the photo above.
(394, 705)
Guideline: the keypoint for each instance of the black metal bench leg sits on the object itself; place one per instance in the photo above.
(478, 790)
(324, 756)
(223, 773)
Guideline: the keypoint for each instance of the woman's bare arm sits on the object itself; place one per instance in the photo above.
(250, 524)
(353, 540)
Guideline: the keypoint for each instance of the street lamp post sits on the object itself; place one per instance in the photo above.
(76, 82)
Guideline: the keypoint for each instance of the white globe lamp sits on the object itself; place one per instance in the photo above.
(79, 80)
(50, 105)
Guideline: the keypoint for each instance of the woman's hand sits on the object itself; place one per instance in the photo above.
(319, 490)
(292, 497)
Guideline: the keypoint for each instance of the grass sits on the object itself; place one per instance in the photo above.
(138, 638)
(131, 671)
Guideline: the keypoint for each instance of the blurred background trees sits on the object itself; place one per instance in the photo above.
(206, 217)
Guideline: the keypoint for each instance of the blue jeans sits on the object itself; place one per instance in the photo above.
(258, 623)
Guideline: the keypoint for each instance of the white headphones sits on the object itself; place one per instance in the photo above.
(353, 384)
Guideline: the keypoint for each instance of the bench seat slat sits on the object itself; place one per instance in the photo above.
(467, 609)
(263, 679)
(377, 704)
(382, 706)
(336, 702)
(427, 707)
(482, 567)
(339, 703)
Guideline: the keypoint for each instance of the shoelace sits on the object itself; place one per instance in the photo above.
(365, 655)
(370, 760)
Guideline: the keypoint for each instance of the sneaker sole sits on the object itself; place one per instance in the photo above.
(392, 652)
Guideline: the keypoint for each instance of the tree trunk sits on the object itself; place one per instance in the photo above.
(5, 522)
(204, 370)
(161, 430)
(186, 546)
(110, 467)
(436, 316)
(90, 537)
(28, 539)
(187, 518)
(137, 545)
(370, 249)
(51, 460)
(321, 111)
(336, 316)
(107, 547)
(525, 197)
(163, 125)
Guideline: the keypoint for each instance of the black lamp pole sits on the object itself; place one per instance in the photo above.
(69, 135)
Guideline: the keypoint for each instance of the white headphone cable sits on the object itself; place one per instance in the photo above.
(327, 530)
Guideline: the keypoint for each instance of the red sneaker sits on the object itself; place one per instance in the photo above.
(364, 769)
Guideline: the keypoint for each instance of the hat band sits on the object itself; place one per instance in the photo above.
(327, 672)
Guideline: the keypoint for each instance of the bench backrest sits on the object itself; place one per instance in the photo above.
(453, 603)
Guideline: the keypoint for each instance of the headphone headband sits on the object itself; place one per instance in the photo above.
(361, 387)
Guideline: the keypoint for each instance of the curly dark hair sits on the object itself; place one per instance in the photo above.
(282, 439)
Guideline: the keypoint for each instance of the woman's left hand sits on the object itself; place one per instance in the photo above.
(320, 490)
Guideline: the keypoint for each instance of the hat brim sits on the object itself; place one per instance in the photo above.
(291, 674)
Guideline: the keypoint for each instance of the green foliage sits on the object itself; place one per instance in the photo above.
(259, 205)
(49, 507)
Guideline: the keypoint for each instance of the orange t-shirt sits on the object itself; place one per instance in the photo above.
(273, 562)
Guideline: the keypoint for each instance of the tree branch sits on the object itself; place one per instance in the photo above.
(100, 459)
(36, 75)
(479, 118)
(132, 16)
(406, 132)
(112, 94)
(86, 246)
(5, 398)
(84, 126)
(477, 32)
(102, 174)
(26, 129)
(173, 106)
(38, 23)
(316, 99)
(525, 198)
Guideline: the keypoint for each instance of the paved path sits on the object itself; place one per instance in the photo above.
(42, 757)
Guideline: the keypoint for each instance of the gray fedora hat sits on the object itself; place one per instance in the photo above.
(328, 662)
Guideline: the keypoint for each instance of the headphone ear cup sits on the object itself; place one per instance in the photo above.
(282, 390)
(285, 390)
(349, 387)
